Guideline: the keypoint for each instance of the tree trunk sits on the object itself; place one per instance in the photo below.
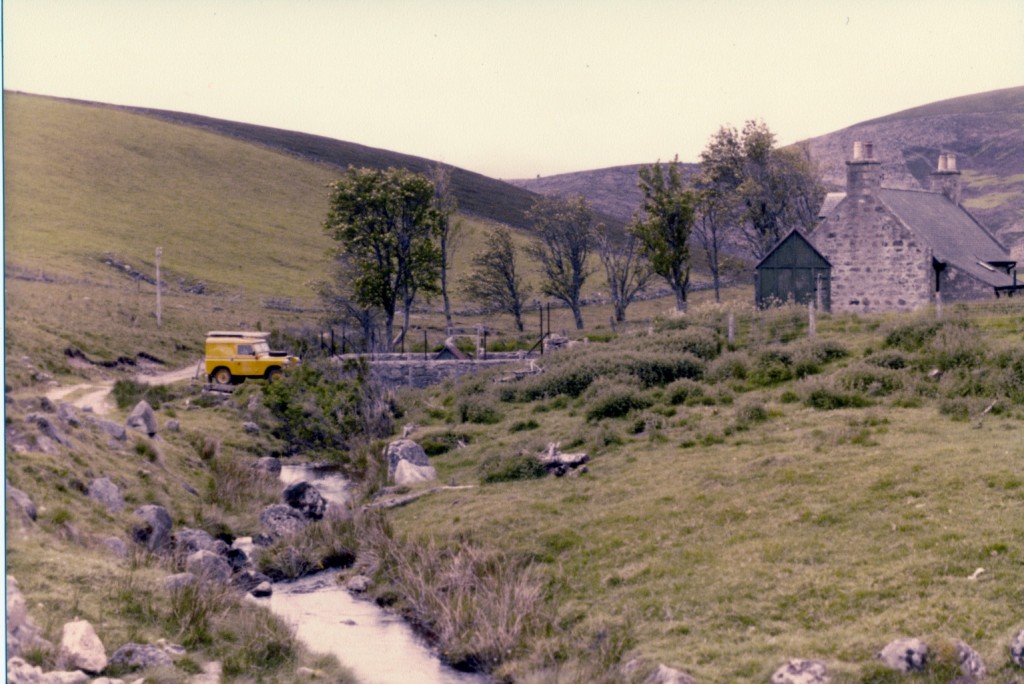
(680, 293)
(578, 316)
(447, 303)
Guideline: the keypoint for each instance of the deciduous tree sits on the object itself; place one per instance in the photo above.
(665, 226)
(628, 272)
(564, 235)
(386, 227)
(449, 233)
(496, 281)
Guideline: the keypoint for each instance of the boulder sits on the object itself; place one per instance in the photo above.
(1017, 649)
(116, 546)
(279, 520)
(59, 677)
(802, 672)
(208, 565)
(114, 430)
(22, 501)
(22, 634)
(404, 450)
(905, 655)
(306, 499)
(178, 581)
(143, 418)
(358, 584)
(188, 540)
(559, 463)
(80, 648)
(103, 490)
(67, 414)
(406, 473)
(268, 465)
(236, 558)
(134, 656)
(247, 580)
(969, 661)
(669, 675)
(173, 426)
(152, 528)
(250, 428)
(20, 672)
(262, 590)
(49, 430)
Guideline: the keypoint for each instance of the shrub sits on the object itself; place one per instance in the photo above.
(731, 365)
(773, 366)
(703, 343)
(685, 392)
(478, 410)
(523, 425)
(322, 407)
(328, 543)
(510, 468)
(128, 393)
(890, 360)
(827, 399)
(751, 414)
(614, 400)
(437, 444)
(872, 381)
(911, 337)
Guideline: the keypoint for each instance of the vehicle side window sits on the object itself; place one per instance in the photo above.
(245, 350)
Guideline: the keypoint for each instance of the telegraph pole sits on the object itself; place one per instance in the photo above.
(159, 252)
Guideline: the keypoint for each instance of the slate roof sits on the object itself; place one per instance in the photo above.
(954, 235)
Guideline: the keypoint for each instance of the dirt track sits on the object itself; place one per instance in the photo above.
(96, 395)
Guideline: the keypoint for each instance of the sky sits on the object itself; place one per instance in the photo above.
(517, 89)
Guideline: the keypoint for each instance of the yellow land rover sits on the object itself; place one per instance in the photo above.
(233, 356)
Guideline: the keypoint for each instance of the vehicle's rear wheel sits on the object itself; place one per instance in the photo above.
(273, 374)
(222, 376)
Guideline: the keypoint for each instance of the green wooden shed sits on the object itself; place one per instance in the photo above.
(793, 272)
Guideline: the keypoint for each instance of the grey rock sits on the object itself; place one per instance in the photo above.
(358, 584)
(20, 672)
(134, 656)
(247, 580)
(153, 527)
(404, 450)
(103, 490)
(279, 520)
(68, 415)
(80, 648)
(49, 430)
(22, 634)
(970, 662)
(669, 675)
(268, 465)
(116, 546)
(802, 672)
(170, 648)
(114, 430)
(905, 655)
(143, 418)
(236, 558)
(173, 426)
(406, 473)
(1017, 649)
(208, 565)
(22, 501)
(306, 499)
(262, 590)
(188, 540)
(250, 428)
(64, 677)
(178, 581)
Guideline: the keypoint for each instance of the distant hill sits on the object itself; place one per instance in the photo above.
(985, 131)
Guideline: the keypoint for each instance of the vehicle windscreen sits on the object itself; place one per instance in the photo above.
(261, 348)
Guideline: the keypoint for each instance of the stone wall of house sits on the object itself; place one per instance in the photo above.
(957, 286)
(877, 263)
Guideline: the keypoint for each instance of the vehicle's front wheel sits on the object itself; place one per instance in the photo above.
(222, 376)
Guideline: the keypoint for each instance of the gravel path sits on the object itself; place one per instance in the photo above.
(96, 395)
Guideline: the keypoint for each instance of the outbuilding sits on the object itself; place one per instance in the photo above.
(793, 272)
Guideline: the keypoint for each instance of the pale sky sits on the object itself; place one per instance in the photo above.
(514, 89)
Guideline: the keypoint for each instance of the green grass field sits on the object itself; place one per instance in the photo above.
(795, 499)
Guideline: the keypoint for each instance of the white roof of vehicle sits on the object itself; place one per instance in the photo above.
(237, 333)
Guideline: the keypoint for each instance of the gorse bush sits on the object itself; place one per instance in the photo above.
(509, 468)
(321, 407)
(611, 399)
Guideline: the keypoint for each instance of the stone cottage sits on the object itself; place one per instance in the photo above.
(899, 250)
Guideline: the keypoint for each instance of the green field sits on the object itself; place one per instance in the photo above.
(749, 502)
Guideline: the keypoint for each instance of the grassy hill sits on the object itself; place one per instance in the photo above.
(985, 130)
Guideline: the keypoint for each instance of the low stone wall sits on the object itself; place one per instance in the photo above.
(417, 372)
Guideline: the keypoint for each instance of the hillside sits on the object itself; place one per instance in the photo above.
(986, 131)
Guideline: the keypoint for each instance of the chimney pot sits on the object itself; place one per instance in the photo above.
(869, 149)
(942, 163)
(857, 150)
(951, 162)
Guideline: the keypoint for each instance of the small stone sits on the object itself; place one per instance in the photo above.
(134, 656)
(1017, 649)
(905, 655)
(358, 584)
(970, 662)
(262, 590)
(250, 428)
(104, 491)
(802, 672)
(669, 675)
(208, 565)
(179, 580)
(173, 426)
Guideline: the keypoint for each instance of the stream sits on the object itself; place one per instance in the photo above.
(377, 645)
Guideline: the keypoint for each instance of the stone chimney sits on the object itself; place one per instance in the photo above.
(946, 178)
(863, 172)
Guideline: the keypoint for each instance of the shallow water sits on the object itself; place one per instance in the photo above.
(377, 645)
